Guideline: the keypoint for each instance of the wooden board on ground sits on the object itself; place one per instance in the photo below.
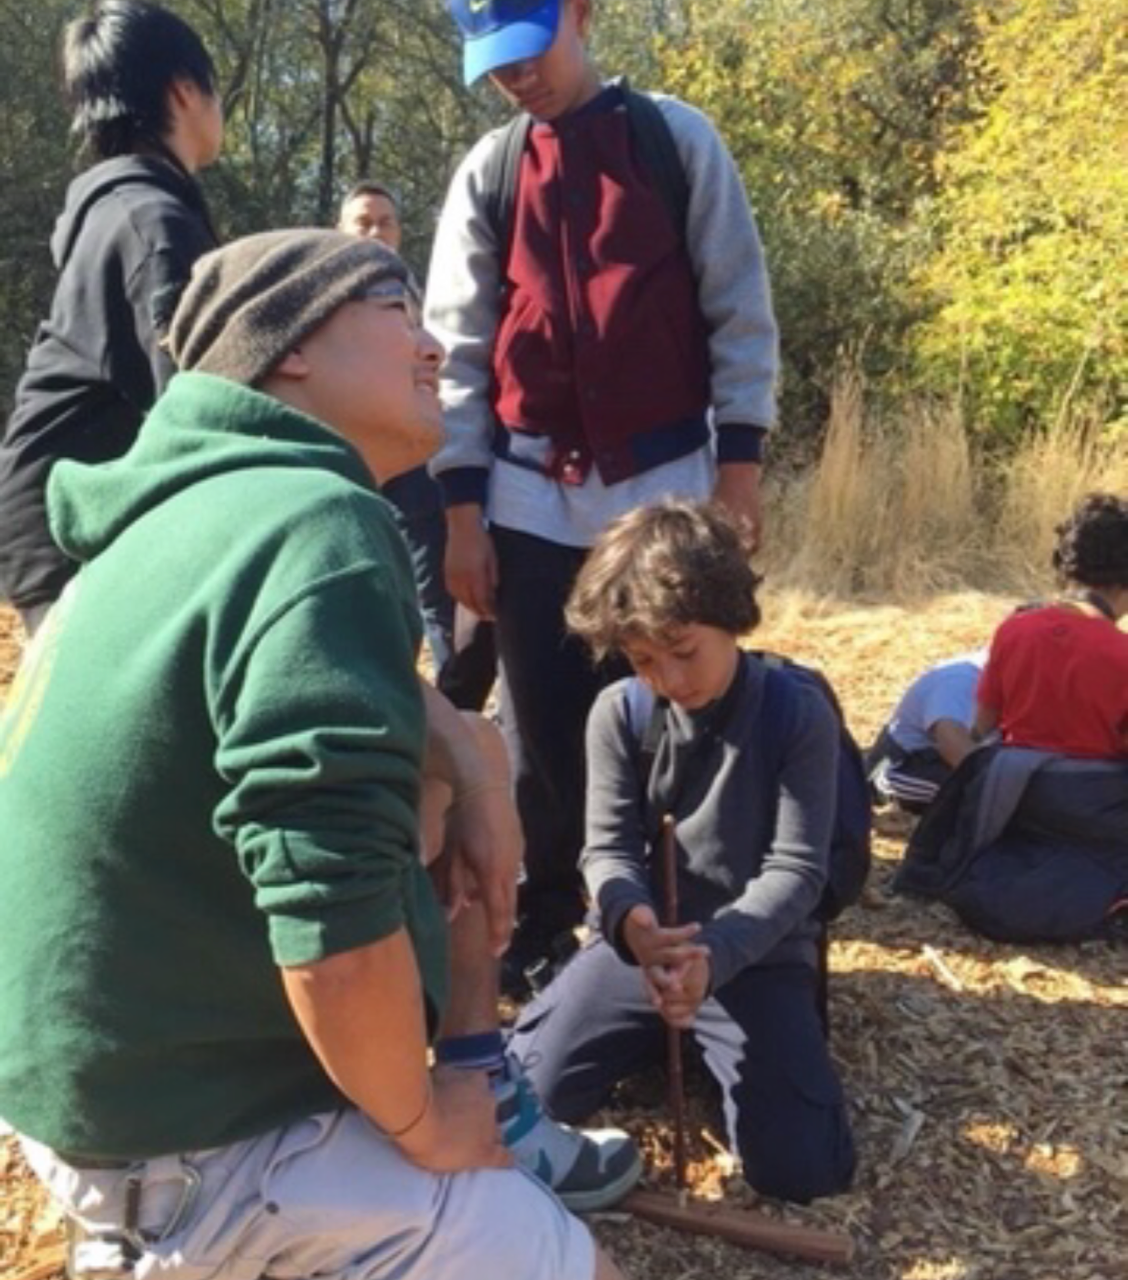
(743, 1227)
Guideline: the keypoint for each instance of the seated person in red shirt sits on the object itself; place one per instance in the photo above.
(1057, 677)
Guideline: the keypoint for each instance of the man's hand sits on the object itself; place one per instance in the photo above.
(677, 992)
(738, 490)
(459, 1129)
(471, 561)
(652, 946)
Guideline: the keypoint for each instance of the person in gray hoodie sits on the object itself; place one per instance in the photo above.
(142, 88)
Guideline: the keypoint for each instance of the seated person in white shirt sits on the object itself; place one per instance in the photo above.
(928, 734)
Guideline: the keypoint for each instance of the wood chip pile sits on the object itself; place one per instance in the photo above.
(989, 1084)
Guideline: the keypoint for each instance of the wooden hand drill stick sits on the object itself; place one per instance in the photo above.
(673, 1035)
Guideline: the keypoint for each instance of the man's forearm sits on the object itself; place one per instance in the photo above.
(462, 517)
(362, 1013)
(453, 754)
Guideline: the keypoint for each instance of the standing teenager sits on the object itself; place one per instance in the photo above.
(462, 648)
(142, 89)
(603, 351)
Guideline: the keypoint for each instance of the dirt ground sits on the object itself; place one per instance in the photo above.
(989, 1084)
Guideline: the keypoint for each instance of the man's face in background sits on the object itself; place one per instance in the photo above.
(373, 217)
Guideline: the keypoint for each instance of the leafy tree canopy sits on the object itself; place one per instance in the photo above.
(1032, 274)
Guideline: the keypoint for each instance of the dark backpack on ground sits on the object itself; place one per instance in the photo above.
(850, 852)
(651, 135)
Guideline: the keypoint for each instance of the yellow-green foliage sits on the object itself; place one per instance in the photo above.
(833, 110)
(840, 100)
(1033, 276)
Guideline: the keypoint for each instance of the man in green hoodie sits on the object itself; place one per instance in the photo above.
(223, 959)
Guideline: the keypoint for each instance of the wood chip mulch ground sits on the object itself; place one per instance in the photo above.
(989, 1083)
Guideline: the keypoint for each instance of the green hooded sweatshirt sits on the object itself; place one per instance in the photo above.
(209, 767)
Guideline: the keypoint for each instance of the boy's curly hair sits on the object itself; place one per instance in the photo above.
(1092, 544)
(662, 567)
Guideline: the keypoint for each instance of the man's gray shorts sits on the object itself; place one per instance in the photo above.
(327, 1197)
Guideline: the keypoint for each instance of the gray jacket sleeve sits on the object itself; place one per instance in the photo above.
(791, 878)
(461, 310)
(613, 860)
(733, 288)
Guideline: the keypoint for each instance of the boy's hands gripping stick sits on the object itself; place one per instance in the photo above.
(655, 947)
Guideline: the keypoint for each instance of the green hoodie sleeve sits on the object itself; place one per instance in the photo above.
(320, 736)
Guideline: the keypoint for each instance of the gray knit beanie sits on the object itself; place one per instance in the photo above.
(251, 302)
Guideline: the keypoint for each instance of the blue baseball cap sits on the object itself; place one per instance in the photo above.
(495, 32)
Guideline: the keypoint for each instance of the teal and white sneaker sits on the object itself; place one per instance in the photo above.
(588, 1170)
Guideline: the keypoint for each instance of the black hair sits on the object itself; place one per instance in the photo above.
(1092, 544)
(118, 66)
(368, 187)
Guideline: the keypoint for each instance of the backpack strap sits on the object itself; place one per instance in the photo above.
(499, 180)
(654, 139)
(778, 710)
(646, 716)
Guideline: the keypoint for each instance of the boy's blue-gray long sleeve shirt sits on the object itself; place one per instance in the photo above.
(752, 851)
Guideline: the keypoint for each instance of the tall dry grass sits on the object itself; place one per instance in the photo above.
(902, 508)
(1043, 481)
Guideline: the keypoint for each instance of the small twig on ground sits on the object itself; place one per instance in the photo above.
(903, 1143)
(939, 967)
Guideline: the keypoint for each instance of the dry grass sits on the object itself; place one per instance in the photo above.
(886, 509)
(1017, 1080)
(1043, 481)
(902, 508)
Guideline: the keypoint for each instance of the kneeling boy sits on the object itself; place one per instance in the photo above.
(670, 587)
